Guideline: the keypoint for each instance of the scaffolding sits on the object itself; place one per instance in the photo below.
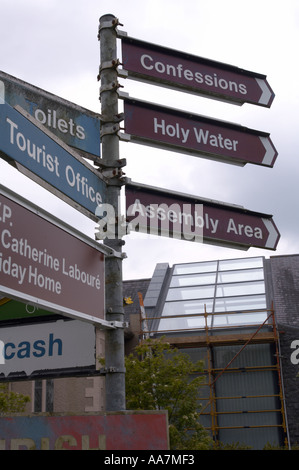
(211, 337)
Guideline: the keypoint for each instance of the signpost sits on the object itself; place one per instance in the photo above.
(48, 264)
(160, 212)
(46, 159)
(76, 126)
(184, 72)
(167, 128)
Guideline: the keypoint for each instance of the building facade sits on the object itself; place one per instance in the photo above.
(241, 318)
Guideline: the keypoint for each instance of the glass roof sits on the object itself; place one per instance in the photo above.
(229, 291)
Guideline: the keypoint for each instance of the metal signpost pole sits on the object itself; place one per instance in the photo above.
(114, 342)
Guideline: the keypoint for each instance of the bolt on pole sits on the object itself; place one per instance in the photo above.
(114, 338)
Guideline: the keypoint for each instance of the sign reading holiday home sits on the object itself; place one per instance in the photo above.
(167, 67)
(160, 212)
(171, 129)
(43, 155)
(76, 126)
(48, 264)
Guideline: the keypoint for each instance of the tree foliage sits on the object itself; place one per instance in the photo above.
(11, 402)
(159, 377)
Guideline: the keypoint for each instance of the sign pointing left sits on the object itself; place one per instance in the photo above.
(46, 159)
(76, 126)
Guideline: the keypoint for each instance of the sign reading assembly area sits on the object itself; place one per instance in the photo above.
(45, 263)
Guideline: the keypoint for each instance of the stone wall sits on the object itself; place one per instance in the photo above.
(284, 272)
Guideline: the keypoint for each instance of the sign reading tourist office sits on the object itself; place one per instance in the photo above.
(47, 263)
(43, 157)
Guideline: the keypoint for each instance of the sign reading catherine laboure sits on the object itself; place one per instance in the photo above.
(76, 126)
(47, 263)
(46, 158)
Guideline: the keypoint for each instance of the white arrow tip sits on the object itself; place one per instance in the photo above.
(273, 236)
(2, 92)
(266, 92)
(271, 152)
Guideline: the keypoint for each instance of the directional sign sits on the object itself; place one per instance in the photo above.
(48, 264)
(49, 161)
(167, 67)
(76, 126)
(160, 212)
(171, 129)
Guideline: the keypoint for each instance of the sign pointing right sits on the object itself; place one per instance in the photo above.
(174, 215)
(162, 66)
(196, 135)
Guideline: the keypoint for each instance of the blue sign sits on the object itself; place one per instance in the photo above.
(76, 126)
(25, 143)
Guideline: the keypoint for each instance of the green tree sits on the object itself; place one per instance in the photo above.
(159, 377)
(11, 402)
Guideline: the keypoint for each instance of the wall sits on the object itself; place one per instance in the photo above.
(285, 292)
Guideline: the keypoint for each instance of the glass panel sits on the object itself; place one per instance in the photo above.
(240, 263)
(185, 323)
(239, 319)
(225, 290)
(238, 276)
(38, 393)
(208, 266)
(232, 304)
(193, 280)
(187, 307)
(49, 395)
(191, 293)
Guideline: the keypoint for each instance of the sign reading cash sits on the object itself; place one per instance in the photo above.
(167, 67)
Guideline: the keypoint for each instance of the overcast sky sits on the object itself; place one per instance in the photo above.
(53, 44)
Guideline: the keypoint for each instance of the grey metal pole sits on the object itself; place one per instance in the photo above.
(114, 339)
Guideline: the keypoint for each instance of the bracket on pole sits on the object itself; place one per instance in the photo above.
(109, 25)
(110, 252)
(111, 370)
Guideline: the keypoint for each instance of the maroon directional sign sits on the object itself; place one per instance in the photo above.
(47, 264)
(167, 67)
(171, 129)
(175, 215)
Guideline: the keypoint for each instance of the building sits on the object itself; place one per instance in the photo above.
(241, 317)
